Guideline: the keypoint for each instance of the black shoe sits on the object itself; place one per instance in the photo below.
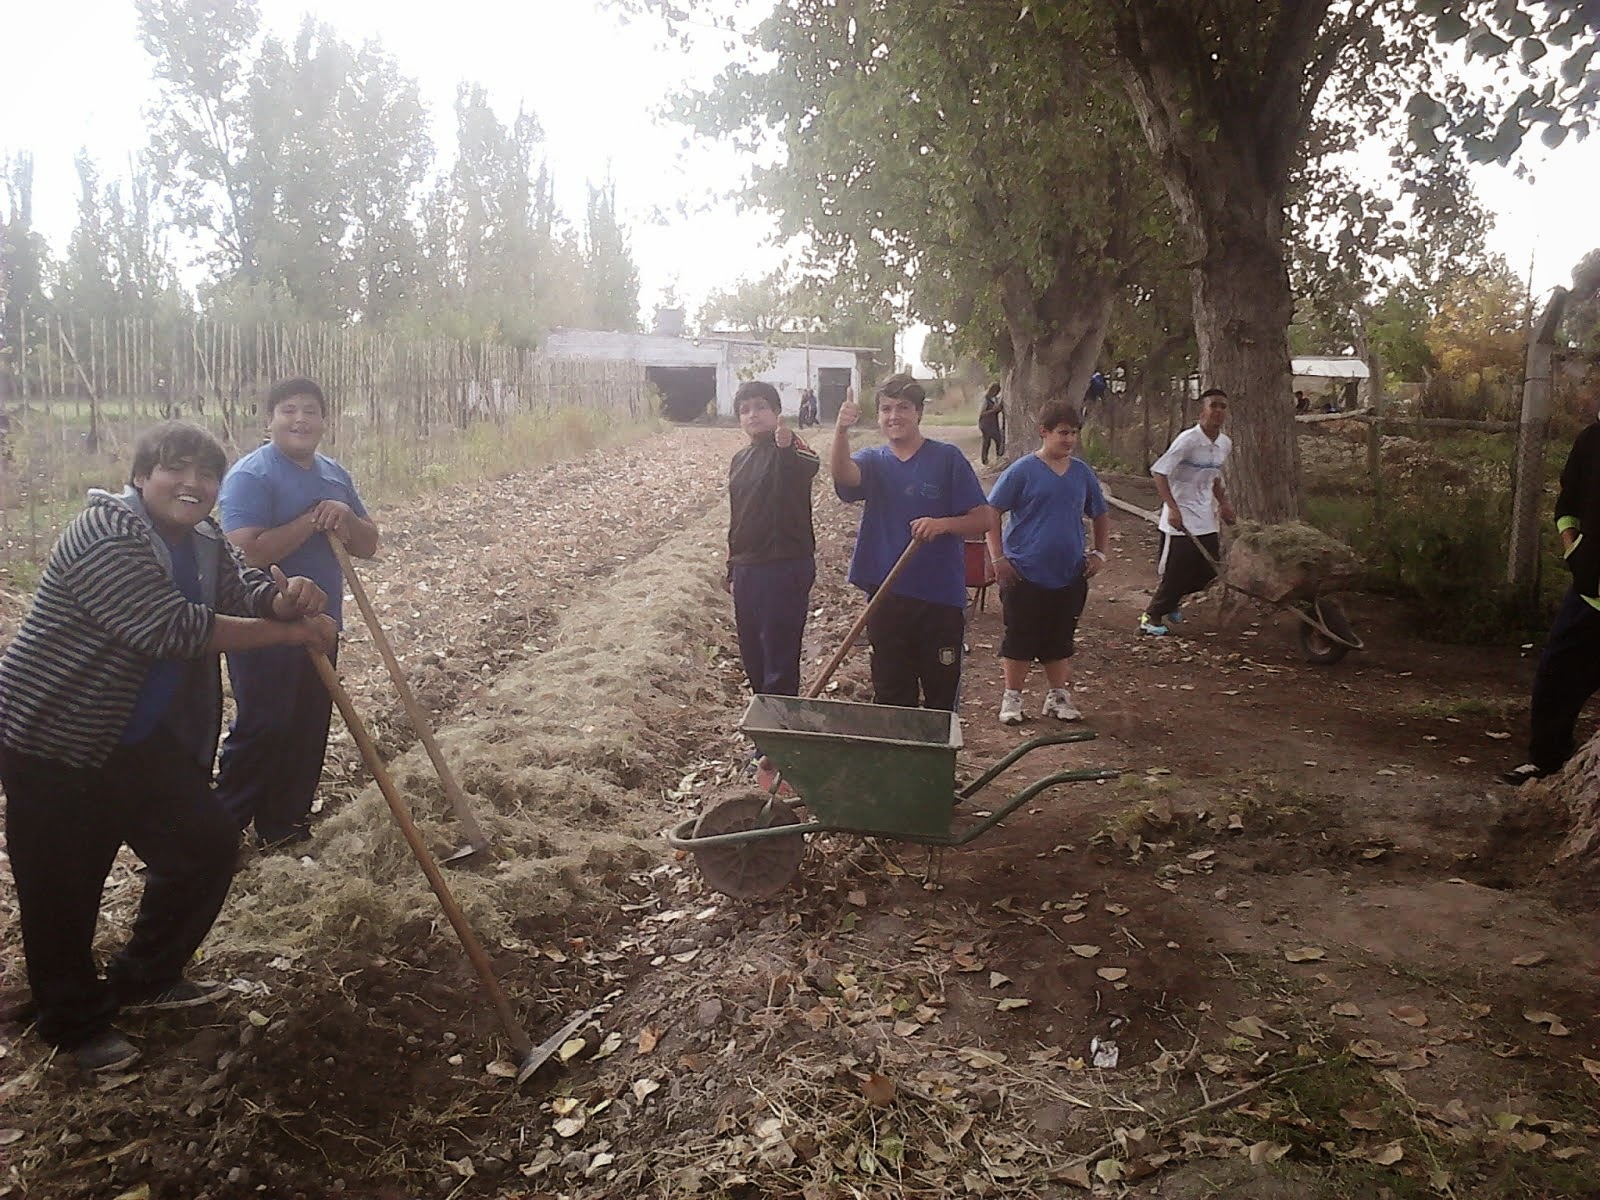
(185, 993)
(286, 841)
(1518, 776)
(107, 1050)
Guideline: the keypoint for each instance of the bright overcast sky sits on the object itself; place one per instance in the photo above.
(595, 84)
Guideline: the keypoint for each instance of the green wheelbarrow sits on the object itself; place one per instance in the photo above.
(864, 769)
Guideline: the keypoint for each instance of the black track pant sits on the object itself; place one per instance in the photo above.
(916, 652)
(1183, 571)
(1569, 673)
(64, 826)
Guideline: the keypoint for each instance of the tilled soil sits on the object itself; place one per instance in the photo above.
(1302, 904)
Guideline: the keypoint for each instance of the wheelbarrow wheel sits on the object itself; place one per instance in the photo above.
(1315, 646)
(760, 868)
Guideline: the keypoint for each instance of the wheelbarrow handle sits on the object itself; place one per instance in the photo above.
(861, 621)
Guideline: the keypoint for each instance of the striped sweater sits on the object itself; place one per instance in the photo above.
(106, 608)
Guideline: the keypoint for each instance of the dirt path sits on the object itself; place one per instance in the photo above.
(1302, 885)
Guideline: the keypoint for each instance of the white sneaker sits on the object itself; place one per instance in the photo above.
(1058, 704)
(1011, 708)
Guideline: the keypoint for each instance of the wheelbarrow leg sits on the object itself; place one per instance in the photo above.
(933, 870)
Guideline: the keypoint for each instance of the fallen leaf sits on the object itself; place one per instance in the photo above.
(1249, 1026)
(569, 1126)
(138, 1192)
(1530, 960)
(1077, 1176)
(1552, 1023)
(1409, 1014)
(1112, 974)
(1108, 1170)
(907, 1028)
(648, 1037)
(502, 1069)
(1085, 951)
(1386, 1156)
(857, 898)
(1359, 1118)
(1593, 1067)
(1118, 910)
(980, 1059)
(1012, 1002)
(612, 1043)
(1305, 954)
(8, 1136)
(562, 1105)
(1374, 852)
(571, 1049)
(1345, 1009)
(1566, 1153)
(1266, 1152)
(996, 979)
(1498, 736)
(644, 1088)
(878, 1089)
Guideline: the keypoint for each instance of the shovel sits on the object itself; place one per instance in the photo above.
(477, 840)
(861, 622)
(529, 1057)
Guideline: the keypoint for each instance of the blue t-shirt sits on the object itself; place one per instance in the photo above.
(266, 488)
(937, 481)
(165, 674)
(1044, 528)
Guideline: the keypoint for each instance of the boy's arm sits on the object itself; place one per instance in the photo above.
(1100, 526)
(1574, 489)
(846, 472)
(1224, 508)
(972, 523)
(1004, 572)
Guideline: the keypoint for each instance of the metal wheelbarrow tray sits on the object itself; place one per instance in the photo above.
(865, 769)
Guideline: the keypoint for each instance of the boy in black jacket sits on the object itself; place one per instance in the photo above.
(771, 544)
(1569, 668)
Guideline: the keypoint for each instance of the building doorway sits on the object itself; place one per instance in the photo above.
(686, 392)
(832, 384)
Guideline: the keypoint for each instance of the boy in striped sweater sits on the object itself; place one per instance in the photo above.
(110, 707)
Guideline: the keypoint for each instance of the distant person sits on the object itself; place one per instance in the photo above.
(989, 418)
(1569, 668)
(1189, 479)
(808, 408)
(914, 489)
(110, 705)
(1041, 564)
(1302, 402)
(280, 505)
(771, 546)
(1094, 393)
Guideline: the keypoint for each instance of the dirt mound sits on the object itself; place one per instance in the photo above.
(1291, 561)
(556, 757)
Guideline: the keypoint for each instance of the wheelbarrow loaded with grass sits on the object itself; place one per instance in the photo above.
(869, 770)
(1294, 566)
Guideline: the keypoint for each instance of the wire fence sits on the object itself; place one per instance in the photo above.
(75, 393)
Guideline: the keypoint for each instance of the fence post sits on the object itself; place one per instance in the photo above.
(1375, 435)
(1528, 482)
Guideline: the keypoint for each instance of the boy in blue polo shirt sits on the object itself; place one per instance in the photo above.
(914, 488)
(280, 505)
(1042, 568)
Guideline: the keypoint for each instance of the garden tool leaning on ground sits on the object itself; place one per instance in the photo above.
(477, 840)
(529, 1057)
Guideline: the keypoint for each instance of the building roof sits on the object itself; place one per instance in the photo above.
(1330, 367)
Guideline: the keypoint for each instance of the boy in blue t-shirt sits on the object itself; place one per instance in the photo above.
(280, 505)
(1042, 568)
(914, 489)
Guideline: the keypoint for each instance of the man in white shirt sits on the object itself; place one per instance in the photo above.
(1189, 478)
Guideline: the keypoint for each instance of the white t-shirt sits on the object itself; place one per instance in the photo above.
(1192, 465)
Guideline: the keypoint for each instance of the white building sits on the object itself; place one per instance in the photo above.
(700, 375)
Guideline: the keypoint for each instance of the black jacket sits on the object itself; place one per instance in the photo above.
(1580, 498)
(769, 497)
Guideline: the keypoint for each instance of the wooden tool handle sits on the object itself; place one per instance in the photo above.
(861, 621)
(458, 921)
(419, 720)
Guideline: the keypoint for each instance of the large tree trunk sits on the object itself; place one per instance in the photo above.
(1055, 340)
(1226, 127)
(1242, 309)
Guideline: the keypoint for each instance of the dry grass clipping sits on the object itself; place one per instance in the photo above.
(557, 760)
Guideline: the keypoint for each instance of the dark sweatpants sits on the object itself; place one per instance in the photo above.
(1568, 674)
(64, 826)
(1183, 571)
(991, 436)
(770, 603)
(271, 760)
(916, 648)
